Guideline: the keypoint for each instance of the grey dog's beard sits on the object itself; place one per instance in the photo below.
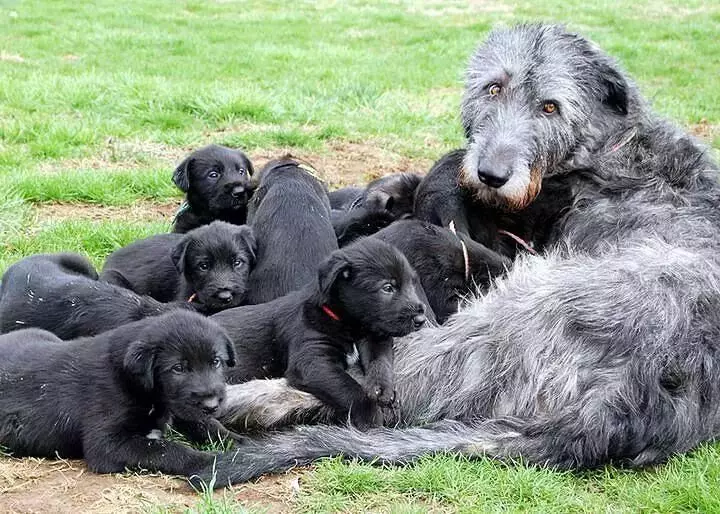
(490, 197)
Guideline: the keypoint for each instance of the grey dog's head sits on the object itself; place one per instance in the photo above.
(536, 96)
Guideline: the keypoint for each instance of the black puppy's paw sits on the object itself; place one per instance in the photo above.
(382, 394)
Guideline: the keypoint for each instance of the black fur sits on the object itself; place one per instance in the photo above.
(383, 201)
(297, 337)
(209, 266)
(61, 293)
(290, 214)
(217, 182)
(108, 398)
(441, 198)
(437, 256)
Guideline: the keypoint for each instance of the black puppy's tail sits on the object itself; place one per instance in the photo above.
(562, 443)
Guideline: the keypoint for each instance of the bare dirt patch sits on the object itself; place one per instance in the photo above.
(139, 211)
(339, 163)
(349, 163)
(39, 485)
(705, 130)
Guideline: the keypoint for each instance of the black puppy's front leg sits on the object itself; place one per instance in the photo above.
(377, 357)
(317, 368)
(208, 430)
(112, 453)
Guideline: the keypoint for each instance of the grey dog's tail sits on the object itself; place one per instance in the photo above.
(555, 443)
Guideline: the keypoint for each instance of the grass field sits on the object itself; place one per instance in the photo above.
(99, 100)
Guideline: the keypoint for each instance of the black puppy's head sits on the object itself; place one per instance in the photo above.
(371, 284)
(179, 361)
(451, 266)
(216, 260)
(393, 193)
(216, 179)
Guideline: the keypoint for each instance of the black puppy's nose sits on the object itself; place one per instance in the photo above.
(493, 178)
(211, 405)
(419, 320)
(224, 295)
(237, 191)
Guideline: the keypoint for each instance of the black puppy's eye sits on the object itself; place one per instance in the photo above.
(494, 89)
(237, 263)
(388, 288)
(202, 266)
(241, 171)
(216, 362)
(213, 174)
(178, 368)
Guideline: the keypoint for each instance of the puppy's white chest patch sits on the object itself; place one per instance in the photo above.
(155, 433)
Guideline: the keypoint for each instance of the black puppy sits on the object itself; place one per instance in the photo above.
(450, 266)
(290, 214)
(218, 184)
(441, 198)
(109, 398)
(61, 293)
(383, 201)
(209, 266)
(363, 295)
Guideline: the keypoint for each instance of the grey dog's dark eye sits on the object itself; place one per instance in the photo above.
(178, 368)
(241, 171)
(549, 107)
(216, 362)
(237, 263)
(494, 89)
(202, 266)
(213, 174)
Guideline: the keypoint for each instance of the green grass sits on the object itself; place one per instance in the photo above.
(98, 101)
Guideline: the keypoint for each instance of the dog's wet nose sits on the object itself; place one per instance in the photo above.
(419, 320)
(493, 178)
(224, 296)
(211, 405)
(237, 191)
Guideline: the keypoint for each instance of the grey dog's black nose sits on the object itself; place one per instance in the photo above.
(493, 178)
(237, 191)
(224, 295)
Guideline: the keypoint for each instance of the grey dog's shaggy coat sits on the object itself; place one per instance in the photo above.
(604, 349)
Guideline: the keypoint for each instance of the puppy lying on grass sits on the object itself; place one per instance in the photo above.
(218, 184)
(209, 266)
(108, 399)
(61, 293)
(364, 295)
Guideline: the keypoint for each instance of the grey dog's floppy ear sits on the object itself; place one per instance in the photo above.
(245, 236)
(181, 175)
(330, 270)
(139, 364)
(615, 87)
(178, 255)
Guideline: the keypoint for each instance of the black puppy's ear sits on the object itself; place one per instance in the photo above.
(181, 175)
(230, 349)
(178, 255)
(246, 237)
(139, 364)
(379, 200)
(333, 268)
(615, 88)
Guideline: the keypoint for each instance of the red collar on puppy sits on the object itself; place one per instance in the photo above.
(327, 310)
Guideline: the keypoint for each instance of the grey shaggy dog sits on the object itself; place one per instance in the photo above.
(606, 349)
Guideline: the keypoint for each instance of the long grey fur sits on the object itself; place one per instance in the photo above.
(604, 349)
